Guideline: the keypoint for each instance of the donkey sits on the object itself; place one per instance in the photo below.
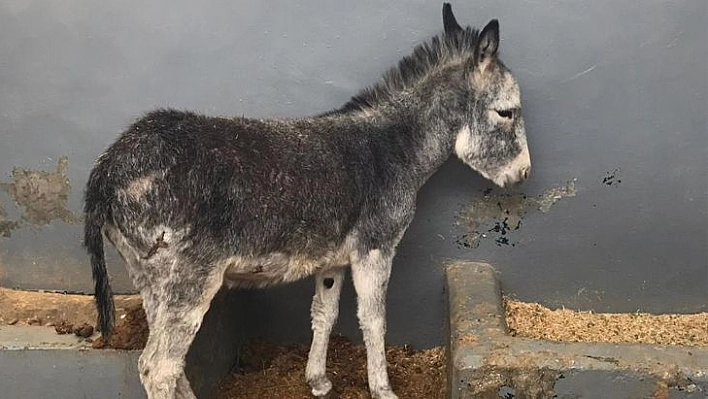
(193, 202)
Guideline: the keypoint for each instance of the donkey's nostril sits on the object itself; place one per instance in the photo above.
(525, 172)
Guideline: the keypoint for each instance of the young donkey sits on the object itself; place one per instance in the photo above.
(194, 202)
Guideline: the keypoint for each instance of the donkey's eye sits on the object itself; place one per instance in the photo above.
(505, 113)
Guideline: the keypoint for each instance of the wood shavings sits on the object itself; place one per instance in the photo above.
(531, 320)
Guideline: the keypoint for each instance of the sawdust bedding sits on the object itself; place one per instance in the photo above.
(273, 371)
(531, 320)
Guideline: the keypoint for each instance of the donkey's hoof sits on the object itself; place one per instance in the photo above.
(321, 387)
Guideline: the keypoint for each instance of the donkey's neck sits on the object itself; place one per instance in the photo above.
(405, 143)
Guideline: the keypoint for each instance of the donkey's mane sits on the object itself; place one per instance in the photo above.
(440, 49)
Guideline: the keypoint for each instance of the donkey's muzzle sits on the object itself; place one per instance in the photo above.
(513, 174)
(517, 170)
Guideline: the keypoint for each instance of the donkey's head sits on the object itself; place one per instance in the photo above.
(492, 138)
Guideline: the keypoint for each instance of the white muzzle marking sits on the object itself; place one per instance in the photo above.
(515, 171)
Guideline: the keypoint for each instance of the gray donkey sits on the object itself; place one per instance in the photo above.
(193, 202)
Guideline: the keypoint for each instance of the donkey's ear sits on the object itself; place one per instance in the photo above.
(449, 21)
(488, 44)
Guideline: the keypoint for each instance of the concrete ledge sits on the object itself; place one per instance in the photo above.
(35, 362)
(485, 362)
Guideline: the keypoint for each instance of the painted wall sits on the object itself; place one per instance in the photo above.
(614, 217)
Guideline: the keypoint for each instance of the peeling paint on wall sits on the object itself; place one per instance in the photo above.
(6, 225)
(549, 197)
(497, 215)
(43, 196)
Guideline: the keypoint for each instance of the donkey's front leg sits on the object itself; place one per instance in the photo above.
(324, 311)
(370, 273)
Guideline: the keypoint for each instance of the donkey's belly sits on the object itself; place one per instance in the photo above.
(276, 268)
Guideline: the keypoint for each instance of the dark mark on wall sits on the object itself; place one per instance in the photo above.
(506, 392)
(6, 225)
(503, 213)
(612, 178)
(503, 228)
(467, 241)
(42, 195)
(503, 241)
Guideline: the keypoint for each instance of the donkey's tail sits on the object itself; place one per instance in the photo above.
(96, 210)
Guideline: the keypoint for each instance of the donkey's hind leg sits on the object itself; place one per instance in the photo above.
(180, 303)
(324, 311)
(370, 273)
(184, 390)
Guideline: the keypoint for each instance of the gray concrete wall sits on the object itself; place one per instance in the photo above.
(613, 91)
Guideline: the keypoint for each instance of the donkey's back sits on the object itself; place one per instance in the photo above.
(238, 186)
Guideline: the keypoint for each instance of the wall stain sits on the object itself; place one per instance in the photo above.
(42, 195)
(497, 215)
(6, 225)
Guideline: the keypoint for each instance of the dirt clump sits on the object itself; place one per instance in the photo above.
(82, 330)
(63, 328)
(130, 332)
(275, 371)
(532, 320)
